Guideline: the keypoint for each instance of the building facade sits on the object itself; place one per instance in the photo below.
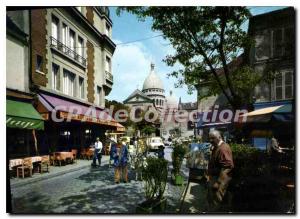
(274, 50)
(66, 60)
(22, 120)
(72, 52)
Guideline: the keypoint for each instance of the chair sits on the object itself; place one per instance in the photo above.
(25, 168)
(89, 154)
(45, 163)
(58, 158)
(74, 152)
(82, 153)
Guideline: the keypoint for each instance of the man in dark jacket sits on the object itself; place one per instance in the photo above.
(219, 172)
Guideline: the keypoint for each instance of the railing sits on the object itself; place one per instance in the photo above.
(109, 76)
(67, 51)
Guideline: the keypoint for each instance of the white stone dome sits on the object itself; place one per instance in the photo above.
(171, 101)
(153, 81)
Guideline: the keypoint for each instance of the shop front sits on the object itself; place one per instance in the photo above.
(23, 123)
(72, 124)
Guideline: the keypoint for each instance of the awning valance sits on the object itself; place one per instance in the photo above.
(282, 113)
(22, 115)
(76, 111)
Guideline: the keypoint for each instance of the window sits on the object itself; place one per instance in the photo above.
(156, 102)
(262, 45)
(69, 83)
(277, 43)
(107, 29)
(55, 77)
(283, 86)
(39, 63)
(107, 64)
(72, 42)
(289, 39)
(54, 27)
(99, 95)
(80, 47)
(64, 35)
(81, 88)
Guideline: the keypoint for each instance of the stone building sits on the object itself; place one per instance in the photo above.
(70, 65)
(274, 50)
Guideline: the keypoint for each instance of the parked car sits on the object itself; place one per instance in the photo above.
(154, 143)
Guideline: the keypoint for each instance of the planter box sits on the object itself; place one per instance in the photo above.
(156, 207)
(177, 179)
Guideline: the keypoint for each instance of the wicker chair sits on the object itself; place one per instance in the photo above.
(45, 163)
(25, 168)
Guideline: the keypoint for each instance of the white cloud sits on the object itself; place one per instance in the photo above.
(131, 65)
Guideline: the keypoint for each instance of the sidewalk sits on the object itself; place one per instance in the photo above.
(55, 171)
(193, 199)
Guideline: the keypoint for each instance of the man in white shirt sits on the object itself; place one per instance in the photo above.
(97, 152)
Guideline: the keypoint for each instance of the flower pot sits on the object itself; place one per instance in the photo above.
(152, 206)
(177, 179)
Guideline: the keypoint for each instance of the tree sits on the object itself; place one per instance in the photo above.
(206, 40)
(119, 106)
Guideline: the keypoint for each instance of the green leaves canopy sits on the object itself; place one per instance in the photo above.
(205, 40)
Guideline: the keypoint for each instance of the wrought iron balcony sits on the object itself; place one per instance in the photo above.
(109, 76)
(67, 51)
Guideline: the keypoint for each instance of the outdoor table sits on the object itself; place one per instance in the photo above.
(15, 162)
(36, 159)
(63, 156)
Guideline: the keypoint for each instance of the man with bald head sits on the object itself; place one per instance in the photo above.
(219, 172)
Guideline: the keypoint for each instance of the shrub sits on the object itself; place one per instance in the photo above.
(155, 174)
(177, 157)
(248, 161)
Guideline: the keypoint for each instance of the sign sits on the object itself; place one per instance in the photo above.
(83, 118)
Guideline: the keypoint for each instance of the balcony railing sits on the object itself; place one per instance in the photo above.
(67, 51)
(109, 76)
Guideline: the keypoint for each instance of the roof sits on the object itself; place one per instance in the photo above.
(189, 106)
(171, 101)
(137, 92)
(153, 81)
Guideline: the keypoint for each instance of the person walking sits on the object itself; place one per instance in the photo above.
(120, 155)
(219, 173)
(97, 152)
(113, 145)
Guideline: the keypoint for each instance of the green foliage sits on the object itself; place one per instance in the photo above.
(205, 39)
(248, 161)
(179, 151)
(148, 130)
(119, 106)
(155, 174)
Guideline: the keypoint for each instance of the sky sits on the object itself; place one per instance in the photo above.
(131, 61)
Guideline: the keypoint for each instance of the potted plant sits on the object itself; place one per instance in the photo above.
(177, 158)
(155, 174)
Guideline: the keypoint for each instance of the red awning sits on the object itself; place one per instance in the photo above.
(75, 110)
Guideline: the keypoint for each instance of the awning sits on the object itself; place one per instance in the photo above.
(120, 128)
(22, 115)
(215, 124)
(76, 111)
(282, 113)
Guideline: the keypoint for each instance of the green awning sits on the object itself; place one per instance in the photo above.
(23, 115)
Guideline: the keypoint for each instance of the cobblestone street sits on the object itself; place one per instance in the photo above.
(89, 190)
